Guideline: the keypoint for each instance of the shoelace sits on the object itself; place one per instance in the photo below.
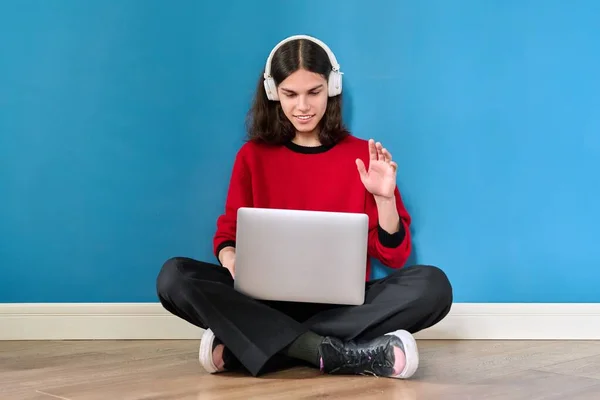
(368, 361)
(371, 356)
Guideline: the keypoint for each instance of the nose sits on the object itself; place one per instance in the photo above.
(302, 103)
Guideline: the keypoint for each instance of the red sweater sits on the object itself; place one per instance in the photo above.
(310, 178)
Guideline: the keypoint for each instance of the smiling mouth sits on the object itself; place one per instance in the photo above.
(304, 117)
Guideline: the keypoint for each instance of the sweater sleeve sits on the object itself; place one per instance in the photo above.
(239, 195)
(392, 250)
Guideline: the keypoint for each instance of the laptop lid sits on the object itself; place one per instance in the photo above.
(301, 256)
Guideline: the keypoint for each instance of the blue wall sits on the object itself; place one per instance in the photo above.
(119, 122)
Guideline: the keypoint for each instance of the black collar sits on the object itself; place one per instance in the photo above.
(307, 149)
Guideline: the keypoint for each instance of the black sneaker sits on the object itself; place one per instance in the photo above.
(375, 357)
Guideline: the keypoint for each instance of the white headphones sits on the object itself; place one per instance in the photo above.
(334, 81)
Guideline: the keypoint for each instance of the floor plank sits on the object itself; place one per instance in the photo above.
(148, 370)
(587, 367)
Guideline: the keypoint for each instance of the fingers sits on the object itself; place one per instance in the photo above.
(372, 150)
(361, 168)
(380, 155)
(378, 152)
(387, 156)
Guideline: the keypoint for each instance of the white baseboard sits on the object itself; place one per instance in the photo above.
(500, 321)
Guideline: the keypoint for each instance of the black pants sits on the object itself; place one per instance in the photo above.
(411, 298)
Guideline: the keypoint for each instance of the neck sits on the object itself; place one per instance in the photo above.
(309, 139)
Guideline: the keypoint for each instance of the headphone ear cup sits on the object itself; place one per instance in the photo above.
(271, 89)
(334, 83)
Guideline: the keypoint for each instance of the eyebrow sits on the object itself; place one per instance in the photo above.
(310, 90)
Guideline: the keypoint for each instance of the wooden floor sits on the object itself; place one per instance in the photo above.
(169, 370)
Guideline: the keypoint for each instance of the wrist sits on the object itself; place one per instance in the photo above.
(382, 200)
(389, 219)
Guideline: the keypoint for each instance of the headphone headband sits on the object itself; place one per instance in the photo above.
(334, 64)
(334, 78)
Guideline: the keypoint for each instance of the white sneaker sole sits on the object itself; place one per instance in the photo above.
(205, 355)
(411, 352)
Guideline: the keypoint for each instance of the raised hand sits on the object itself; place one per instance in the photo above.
(380, 179)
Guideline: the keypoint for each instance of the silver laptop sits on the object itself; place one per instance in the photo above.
(301, 256)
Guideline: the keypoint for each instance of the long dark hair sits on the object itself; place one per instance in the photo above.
(266, 121)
